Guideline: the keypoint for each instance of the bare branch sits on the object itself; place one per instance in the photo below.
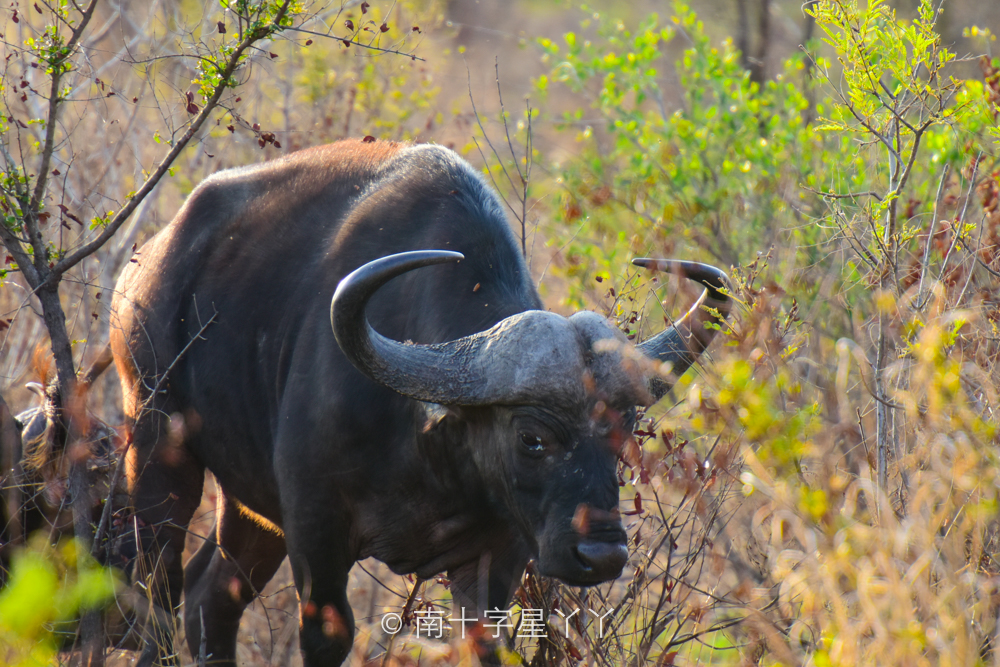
(119, 219)
(486, 136)
(54, 103)
(930, 238)
(346, 40)
(961, 217)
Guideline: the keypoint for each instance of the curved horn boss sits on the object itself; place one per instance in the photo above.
(456, 372)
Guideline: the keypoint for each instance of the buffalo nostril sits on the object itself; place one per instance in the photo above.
(603, 557)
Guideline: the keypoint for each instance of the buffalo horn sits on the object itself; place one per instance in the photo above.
(437, 373)
(682, 344)
(528, 357)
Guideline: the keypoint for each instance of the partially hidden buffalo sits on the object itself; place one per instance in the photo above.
(40, 470)
(443, 423)
(34, 476)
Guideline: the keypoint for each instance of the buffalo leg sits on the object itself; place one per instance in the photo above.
(166, 483)
(223, 577)
(321, 570)
(487, 585)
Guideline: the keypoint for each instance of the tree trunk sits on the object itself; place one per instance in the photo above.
(743, 33)
(758, 66)
(70, 425)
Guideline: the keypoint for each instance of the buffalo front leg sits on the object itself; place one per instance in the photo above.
(223, 577)
(166, 483)
(321, 567)
(488, 584)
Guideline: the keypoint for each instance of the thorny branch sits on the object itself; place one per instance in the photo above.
(524, 177)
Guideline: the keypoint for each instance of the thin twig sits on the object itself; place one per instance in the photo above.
(116, 478)
(961, 218)
(846, 195)
(486, 136)
(380, 49)
(54, 101)
(930, 238)
(407, 609)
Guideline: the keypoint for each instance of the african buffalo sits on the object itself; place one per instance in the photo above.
(35, 470)
(43, 472)
(444, 423)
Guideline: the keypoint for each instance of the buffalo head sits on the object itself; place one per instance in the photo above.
(547, 403)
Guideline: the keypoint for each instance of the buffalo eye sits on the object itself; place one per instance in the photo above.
(532, 443)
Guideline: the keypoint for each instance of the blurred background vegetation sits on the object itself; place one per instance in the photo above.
(824, 488)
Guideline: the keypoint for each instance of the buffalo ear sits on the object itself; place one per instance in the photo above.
(441, 442)
(440, 421)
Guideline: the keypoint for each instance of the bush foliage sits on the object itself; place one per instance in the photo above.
(48, 586)
(843, 441)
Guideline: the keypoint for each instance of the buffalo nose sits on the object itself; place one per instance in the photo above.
(603, 558)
